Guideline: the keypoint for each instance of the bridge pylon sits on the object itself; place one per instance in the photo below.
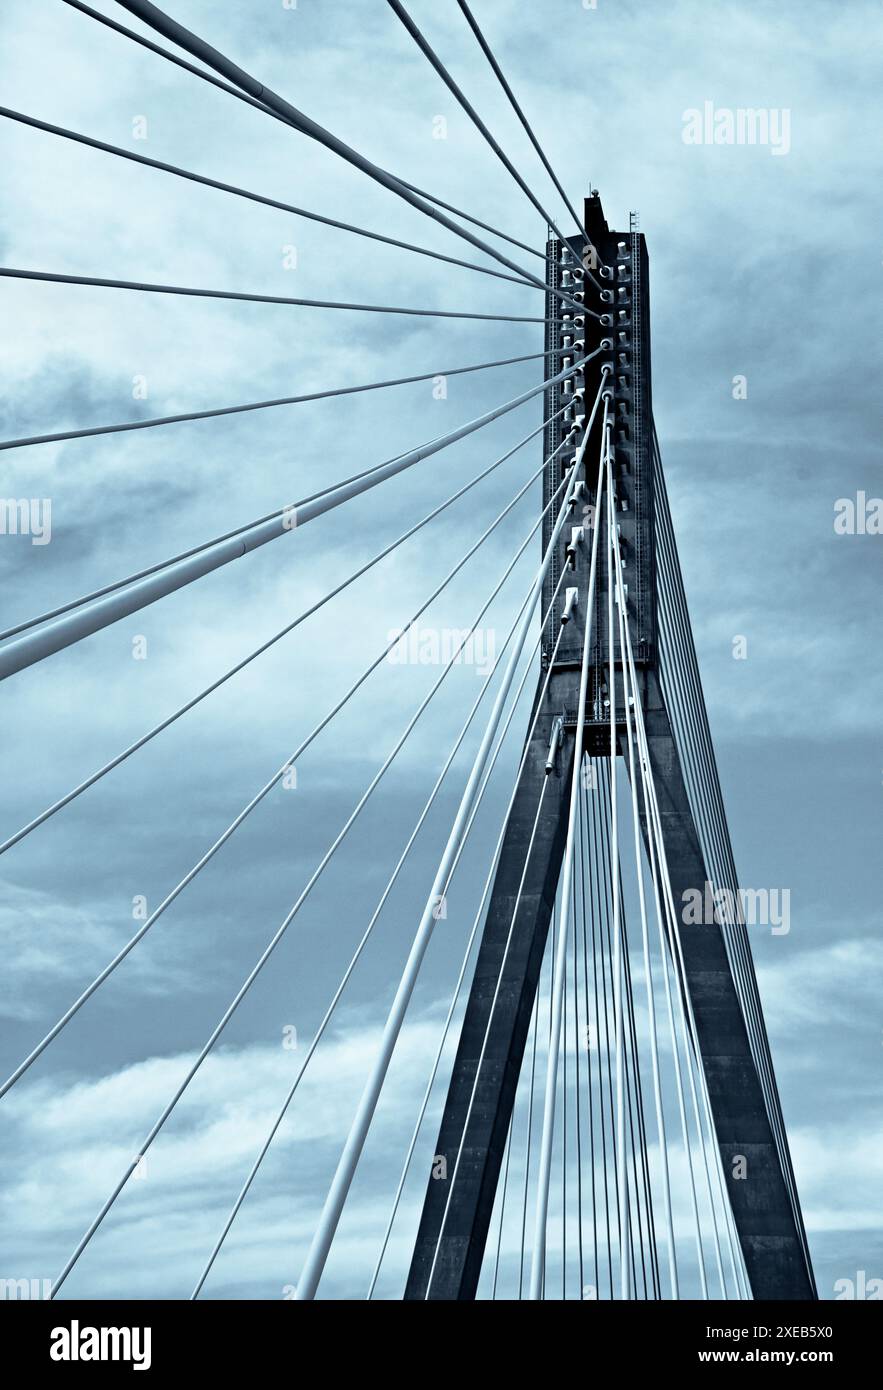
(728, 1037)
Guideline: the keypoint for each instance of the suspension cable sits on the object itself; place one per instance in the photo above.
(281, 930)
(429, 53)
(182, 570)
(358, 952)
(148, 287)
(291, 514)
(63, 435)
(238, 192)
(587, 1041)
(630, 690)
(675, 952)
(735, 933)
(600, 910)
(472, 935)
(255, 801)
(514, 913)
(613, 562)
(342, 1181)
(687, 673)
(503, 1203)
(197, 47)
(495, 66)
(544, 1175)
(210, 78)
(234, 670)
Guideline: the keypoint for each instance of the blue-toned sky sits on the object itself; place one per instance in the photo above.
(764, 265)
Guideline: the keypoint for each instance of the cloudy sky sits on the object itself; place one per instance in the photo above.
(764, 266)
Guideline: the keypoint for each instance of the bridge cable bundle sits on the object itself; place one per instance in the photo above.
(611, 1178)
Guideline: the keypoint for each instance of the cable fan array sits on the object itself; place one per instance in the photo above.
(612, 1181)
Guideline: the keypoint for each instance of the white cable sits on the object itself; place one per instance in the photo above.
(277, 937)
(685, 1014)
(362, 943)
(479, 913)
(647, 783)
(130, 598)
(321, 1244)
(271, 641)
(255, 801)
(645, 942)
(691, 1045)
(481, 1058)
(475, 925)
(617, 968)
(545, 1168)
